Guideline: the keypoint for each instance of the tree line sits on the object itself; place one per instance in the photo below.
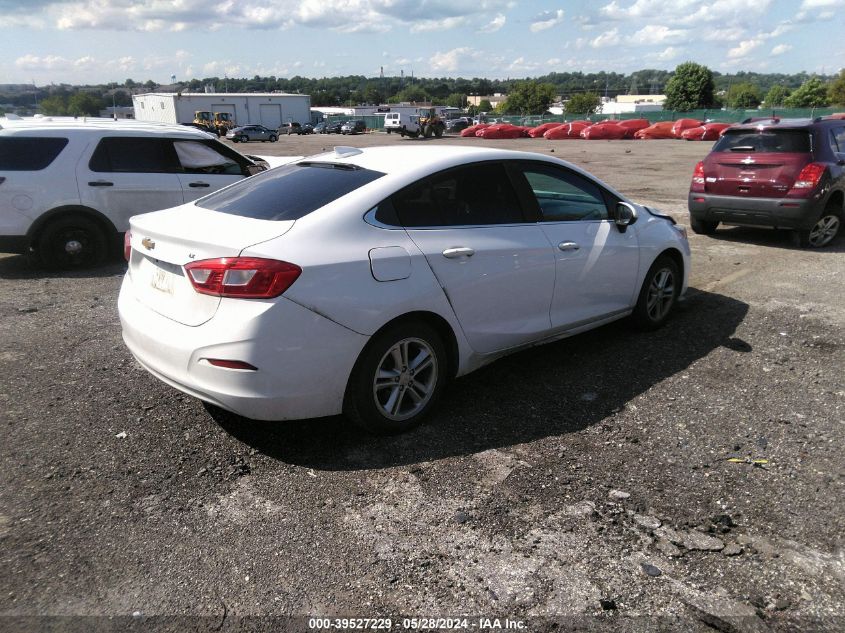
(690, 86)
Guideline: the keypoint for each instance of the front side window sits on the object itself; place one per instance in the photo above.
(134, 154)
(564, 196)
(467, 196)
(29, 153)
(289, 192)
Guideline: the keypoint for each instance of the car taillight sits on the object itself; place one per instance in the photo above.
(127, 245)
(242, 277)
(697, 184)
(807, 180)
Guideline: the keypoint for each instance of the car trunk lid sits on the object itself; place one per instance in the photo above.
(163, 242)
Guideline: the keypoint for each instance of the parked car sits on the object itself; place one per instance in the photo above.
(291, 128)
(353, 127)
(244, 133)
(781, 173)
(362, 280)
(68, 187)
(455, 126)
(307, 128)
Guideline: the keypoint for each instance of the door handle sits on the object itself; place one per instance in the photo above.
(568, 246)
(198, 184)
(461, 251)
(100, 183)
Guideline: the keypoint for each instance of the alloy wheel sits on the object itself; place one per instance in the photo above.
(824, 230)
(405, 379)
(661, 294)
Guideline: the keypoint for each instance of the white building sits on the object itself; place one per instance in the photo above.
(269, 109)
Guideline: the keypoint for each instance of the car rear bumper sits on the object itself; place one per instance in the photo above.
(303, 359)
(785, 213)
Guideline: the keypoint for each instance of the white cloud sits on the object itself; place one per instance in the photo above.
(658, 34)
(687, 12)
(667, 54)
(443, 24)
(547, 20)
(744, 48)
(780, 49)
(450, 60)
(495, 24)
(608, 38)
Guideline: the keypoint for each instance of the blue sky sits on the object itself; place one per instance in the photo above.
(93, 41)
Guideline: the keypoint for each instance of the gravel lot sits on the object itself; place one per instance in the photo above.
(586, 483)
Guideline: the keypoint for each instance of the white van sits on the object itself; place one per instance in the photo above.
(68, 187)
(402, 123)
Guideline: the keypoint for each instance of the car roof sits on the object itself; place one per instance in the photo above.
(85, 125)
(408, 164)
(775, 123)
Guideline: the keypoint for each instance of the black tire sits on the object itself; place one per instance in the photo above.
(412, 398)
(235, 139)
(658, 295)
(823, 232)
(702, 227)
(272, 138)
(72, 242)
(244, 139)
(438, 132)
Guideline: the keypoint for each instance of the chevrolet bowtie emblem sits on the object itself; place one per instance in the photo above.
(148, 243)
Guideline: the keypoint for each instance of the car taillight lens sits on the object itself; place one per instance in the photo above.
(242, 277)
(807, 180)
(697, 184)
(127, 245)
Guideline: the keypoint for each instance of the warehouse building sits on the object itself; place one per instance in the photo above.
(269, 109)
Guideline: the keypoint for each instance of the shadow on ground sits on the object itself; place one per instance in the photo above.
(549, 390)
(21, 267)
(772, 238)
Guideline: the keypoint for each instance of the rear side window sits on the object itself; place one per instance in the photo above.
(467, 196)
(289, 192)
(196, 157)
(134, 154)
(837, 140)
(29, 153)
(772, 141)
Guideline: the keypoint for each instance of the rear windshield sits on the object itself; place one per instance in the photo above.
(289, 192)
(29, 153)
(772, 141)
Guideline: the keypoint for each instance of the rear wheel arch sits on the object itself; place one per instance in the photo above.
(37, 228)
(836, 200)
(439, 325)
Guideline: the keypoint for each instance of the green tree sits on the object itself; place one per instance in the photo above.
(485, 106)
(55, 105)
(811, 94)
(456, 100)
(743, 96)
(691, 87)
(412, 94)
(84, 104)
(584, 103)
(529, 97)
(836, 91)
(777, 95)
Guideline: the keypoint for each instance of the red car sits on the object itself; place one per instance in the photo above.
(780, 173)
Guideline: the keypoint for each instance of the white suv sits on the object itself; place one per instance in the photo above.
(68, 187)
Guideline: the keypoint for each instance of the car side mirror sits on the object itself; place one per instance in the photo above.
(626, 215)
(251, 170)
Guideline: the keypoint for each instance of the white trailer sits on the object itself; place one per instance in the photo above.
(269, 109)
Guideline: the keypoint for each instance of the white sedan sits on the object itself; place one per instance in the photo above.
(360, 281)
